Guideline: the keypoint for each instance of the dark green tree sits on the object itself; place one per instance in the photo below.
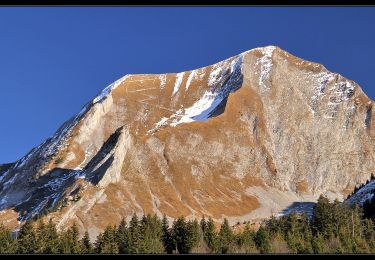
(7, 243)
(123, 237)
(52, 245)
(41, 237)
(323, 218)
(69, 243)
(194, 233)
(136, 241)
(167, 238)
(225, 237)
(182, 235)
(106, 242)
(85, 244)
(298, 233)
(245, 240)
(262, 240)
(27, 239)
(203, 224)
(210, 235)
(151, 230)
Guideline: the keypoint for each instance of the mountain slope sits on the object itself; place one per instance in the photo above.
(244, 139)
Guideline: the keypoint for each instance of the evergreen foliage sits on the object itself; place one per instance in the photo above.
(334, 228)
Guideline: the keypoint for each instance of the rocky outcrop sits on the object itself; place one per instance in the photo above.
(244, 139)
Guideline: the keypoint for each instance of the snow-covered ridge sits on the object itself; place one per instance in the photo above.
(105, 92)
(49, 147)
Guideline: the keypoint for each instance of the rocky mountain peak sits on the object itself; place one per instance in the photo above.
(245, 138)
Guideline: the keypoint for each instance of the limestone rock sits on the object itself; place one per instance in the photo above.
(244, 139)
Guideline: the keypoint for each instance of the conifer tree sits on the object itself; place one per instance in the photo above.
(69, 243)
(41, 237)
(210, 235)
(152, 234)
(75, 247)
(168, 242)
(85, 244)
(225, 237)
(193, 233)
(106, 242)
(179, 235)
(135, 235)
(27, 239)
(7, 244)
(123, 237)
(245, 241)
(323, 218)
(52, 245)
(203, 224)
(262, 240)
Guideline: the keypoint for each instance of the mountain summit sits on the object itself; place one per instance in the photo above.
(244, 139)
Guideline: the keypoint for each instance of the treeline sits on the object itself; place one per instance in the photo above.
(334, 228)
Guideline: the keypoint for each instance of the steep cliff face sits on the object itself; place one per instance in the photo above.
(243, 139)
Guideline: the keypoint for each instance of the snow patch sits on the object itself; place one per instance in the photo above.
(159, 124)
(265, 66)
(204, 107)
(363, 194)
(322, 79)
(190, 78)
(230, 80)
(216, 73)
(200, 110)
(178, 82)
(163, 80)
(299, 208)
(88, 153)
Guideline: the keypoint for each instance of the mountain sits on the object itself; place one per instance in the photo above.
(246, 138)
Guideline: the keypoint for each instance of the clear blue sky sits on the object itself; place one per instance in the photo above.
(54, 60)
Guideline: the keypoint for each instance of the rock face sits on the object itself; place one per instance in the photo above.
(244, 139)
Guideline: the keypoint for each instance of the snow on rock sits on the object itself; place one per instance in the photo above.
(178, 82)
(108, 90)
(363, 194)
(163, 80)
(23, 160)
(159, 124)
(4, 175)
(54, 143)
(204, 108)
(266, 65)
(190, 78)
(216, 73)
(322, 79)
(200, 111)
(103, 94)
(50, 193)
(88, 152)
(298, 208)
